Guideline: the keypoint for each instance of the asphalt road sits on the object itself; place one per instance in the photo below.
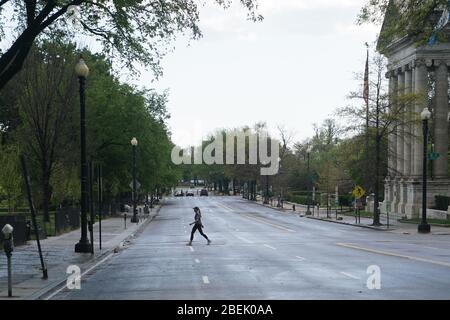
(262, 253)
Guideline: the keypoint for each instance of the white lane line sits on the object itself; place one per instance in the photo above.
(205, 280)
(197, 261)
(192, 249)
(300, 258)
(350, 276)
(270, 247)
(243, 239)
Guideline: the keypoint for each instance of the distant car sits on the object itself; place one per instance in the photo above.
(179, 194)
(204, 193)
(189, 194)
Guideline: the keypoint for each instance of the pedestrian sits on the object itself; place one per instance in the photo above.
(197, 226)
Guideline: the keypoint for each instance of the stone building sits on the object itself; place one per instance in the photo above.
(421, 72)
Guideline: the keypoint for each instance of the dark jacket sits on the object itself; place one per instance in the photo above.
(198, 219)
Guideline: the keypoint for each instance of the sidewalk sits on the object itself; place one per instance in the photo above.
(394, 225)
(59, 254)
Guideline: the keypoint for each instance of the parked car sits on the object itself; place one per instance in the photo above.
(190, 194)
(179, 194)
(204, 193)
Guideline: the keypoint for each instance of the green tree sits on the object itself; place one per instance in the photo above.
(414, 18)
(46, 91)
(130, 30)
(10, 177)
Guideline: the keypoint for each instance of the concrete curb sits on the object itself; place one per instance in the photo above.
(351, 224)
(47, 290)
(431, 224)
(323, 219)
(275, 208)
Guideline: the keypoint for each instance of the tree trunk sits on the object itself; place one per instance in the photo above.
(46, 193)
(376, 200)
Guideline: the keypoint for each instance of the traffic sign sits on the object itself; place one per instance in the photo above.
(358, 192)
(433, 156)
(138, 185)
(388, 207)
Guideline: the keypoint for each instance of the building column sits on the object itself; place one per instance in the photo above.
(392, 137)
(400, 126)
(440, 120)
(407, 133)
(413, 118)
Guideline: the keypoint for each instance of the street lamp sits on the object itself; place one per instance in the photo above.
(266, 194)
(82, 71)
(308, 210)
(134, 219)
(8, 245)
(424, 227)
(280, 175)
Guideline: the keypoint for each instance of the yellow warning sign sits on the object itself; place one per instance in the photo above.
(358, 192)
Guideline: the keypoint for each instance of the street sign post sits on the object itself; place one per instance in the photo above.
(388, 209)
(358, 193)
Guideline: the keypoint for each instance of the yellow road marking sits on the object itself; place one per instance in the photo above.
(268, 223)
(392, 254)
(258, 219)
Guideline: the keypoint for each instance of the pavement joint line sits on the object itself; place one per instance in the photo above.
(270, 247)
(41, 293)
(82, 275)
(205, 280)
(392, 254)
(243, 239)
(268, 223)
(350, 276)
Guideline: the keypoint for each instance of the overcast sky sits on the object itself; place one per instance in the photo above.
(292, 69)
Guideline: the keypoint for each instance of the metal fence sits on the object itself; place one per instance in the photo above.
(66, 219)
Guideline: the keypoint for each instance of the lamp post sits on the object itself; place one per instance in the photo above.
(134, 219)
(308, 210)
(266, 194)
(82, 71)
(8, 245)
(424, 227)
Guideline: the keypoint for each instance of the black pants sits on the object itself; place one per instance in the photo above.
(199, 228)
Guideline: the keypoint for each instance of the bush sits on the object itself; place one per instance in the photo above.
(442, 203)
(345, 200)
(300, 199)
